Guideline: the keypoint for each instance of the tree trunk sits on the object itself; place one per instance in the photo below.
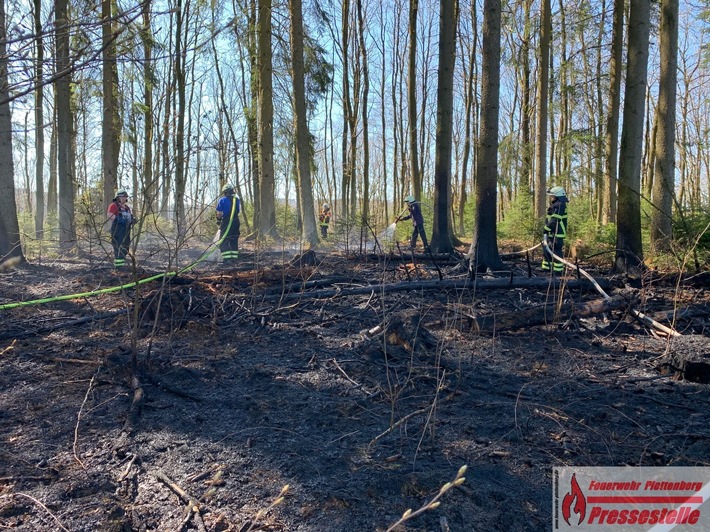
(484, 247)
(412, 110)
(542, 94)
(267, 221)
(10, 245)
(111, 123)
(441, 240)
(612, 117)
(470, 103)
(52, 196)
(180, 75)
(39, 123)
(629, 247)
(65, 174)
(302, 134)
(150, 184)
(365, 214)
(345, 159)
(663, 187)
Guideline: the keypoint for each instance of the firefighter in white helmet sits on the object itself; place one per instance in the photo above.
(555, 229)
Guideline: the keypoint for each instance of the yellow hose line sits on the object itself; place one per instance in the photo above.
(127, 285)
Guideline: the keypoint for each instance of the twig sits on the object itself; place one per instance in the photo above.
(434, 503)
(261, 513)
(38, 503)
(398, 423)
(193, 505)
(78, 419)
(343, 372)
(128, 468)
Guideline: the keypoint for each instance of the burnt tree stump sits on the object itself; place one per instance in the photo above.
(688, 359)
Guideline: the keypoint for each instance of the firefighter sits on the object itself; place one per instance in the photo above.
(121, 218)
(228, 219)
(415, 213)
(324, 220)
(555, 229)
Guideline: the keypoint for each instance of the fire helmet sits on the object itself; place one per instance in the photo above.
(556, 191)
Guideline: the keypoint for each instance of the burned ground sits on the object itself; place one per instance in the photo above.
(365, 402)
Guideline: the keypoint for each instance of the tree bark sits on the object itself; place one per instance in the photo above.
(111, 123)
(412, 110)
(542, 95)
(448, 17)
(629, 247)
(39, 123)
(267, 221)
(302, 134)
(664, 183)
(484, 247)
(65, 166)
(10, 244)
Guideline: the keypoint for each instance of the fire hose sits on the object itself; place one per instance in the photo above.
(133, 284)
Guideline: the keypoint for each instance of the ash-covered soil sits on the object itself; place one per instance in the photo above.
(224, 385)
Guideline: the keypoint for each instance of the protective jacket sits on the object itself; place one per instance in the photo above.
(556, 230)
(228, 232)
(415, 213)
(120, 231)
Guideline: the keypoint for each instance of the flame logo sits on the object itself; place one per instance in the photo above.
(577, 497)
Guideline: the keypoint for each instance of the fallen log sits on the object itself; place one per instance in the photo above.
(547, 314)
(465, 284)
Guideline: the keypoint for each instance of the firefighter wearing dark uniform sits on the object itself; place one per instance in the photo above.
(555, 229)
(324, 220)
(228, 219)
(415, 213)
(121, 218)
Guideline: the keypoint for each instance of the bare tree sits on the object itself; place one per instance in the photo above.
(10, 245)
(470, 103)
(111, 124)
(484, 247)
(441, 237)
(65, 152)
(413, 111)
(365, 214)
(663, 185)
(302, 134)
(39, 122)
(267, 213)
(543, 81)
(629, 246)
(150, 184)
